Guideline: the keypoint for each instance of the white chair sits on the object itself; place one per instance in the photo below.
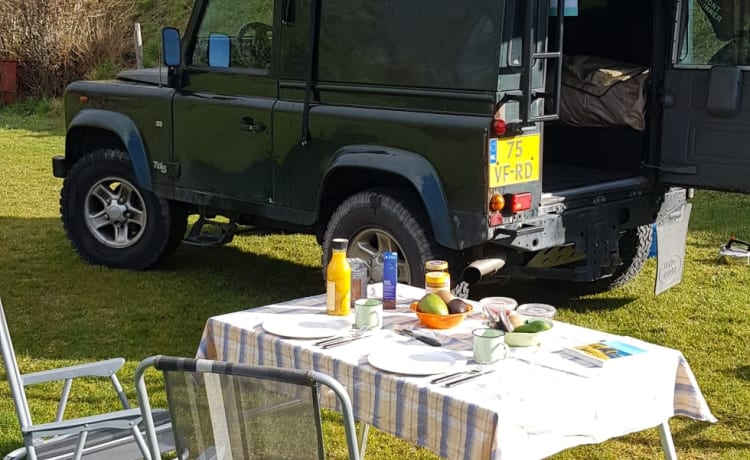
(114, 435)
(233, 411)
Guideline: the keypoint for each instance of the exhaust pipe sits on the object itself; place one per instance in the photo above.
(481, 268)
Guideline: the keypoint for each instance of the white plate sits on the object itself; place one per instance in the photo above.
(416, 360)
(307, 326)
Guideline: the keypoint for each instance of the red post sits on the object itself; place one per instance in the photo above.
(8, 80)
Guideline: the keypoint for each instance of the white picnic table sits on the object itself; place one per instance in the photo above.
(538, 402)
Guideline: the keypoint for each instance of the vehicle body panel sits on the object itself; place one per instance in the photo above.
(706, 98)
(701, 149)
(402, 98)
(138, 115)
(442, 142)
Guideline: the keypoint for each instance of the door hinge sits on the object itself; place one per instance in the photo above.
(174, 170)
(687, 169)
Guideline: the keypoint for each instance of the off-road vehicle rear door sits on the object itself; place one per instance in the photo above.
(706, 99)
(222, 113)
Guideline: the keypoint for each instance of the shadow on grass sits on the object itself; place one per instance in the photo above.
(700, 440)
(742, 372)
(549, 292)
(60, 307)
(696, 433)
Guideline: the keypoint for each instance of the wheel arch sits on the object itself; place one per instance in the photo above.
(361, 167)
(95, 128)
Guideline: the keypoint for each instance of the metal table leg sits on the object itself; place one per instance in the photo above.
(667, 444)
(364, 428)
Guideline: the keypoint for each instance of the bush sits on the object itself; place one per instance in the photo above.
(59, 41)
(155, 14)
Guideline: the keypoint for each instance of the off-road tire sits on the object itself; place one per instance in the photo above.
(378, 210)
(635, 245)
(178, 224)
(165, 221)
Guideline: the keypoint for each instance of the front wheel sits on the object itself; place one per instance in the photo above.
(111, 221)
(375, 222)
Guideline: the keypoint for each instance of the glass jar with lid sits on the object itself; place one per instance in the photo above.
(360, 278)
(436, 276)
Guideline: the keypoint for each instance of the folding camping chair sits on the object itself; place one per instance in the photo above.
(115, 435)
(229, 411)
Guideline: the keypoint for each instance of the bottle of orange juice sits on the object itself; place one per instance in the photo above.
(338, 279)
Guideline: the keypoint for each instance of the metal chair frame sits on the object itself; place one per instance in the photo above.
(310, 379)
(69, 436)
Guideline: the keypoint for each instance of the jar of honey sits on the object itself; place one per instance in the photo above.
(436, 276)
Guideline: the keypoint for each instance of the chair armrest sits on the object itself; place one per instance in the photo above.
(97, 369)
(122, 419)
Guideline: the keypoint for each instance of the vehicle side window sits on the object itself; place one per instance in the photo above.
(239, 34)
(716, 32)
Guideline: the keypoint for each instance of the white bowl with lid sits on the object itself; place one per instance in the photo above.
(537, 310)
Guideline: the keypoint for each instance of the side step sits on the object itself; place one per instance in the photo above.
(209, 232)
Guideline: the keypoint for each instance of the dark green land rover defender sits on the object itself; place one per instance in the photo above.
(502, 135)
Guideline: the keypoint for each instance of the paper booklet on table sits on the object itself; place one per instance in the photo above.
(599, 353)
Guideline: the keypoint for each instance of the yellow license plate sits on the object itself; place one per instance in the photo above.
(514, 160)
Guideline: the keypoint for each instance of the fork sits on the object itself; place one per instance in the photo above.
(466, 378)
(354, 334)
(448, 377)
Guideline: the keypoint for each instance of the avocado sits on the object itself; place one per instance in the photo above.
(432, 303)
(533, 326)
(456, 306)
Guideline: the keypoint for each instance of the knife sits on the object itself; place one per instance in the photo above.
(422, 338)
(331, 340)
(447, 377)
(453, 383)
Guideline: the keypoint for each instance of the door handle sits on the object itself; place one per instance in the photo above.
(249, 124)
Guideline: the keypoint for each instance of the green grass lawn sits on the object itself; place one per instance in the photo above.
(63, 311)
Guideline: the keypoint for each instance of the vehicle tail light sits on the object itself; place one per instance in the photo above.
(519, 202)
(499, 126)
(497, 203)
(496, 219)
(83, 99)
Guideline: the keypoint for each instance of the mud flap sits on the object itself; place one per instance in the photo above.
(671, 237)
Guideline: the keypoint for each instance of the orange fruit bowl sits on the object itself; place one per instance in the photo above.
(434, 321)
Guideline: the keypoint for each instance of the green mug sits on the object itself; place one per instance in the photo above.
(489, 345)
(368, 313)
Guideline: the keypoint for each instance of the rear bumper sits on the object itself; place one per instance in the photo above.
(579, 244)
(569, 217)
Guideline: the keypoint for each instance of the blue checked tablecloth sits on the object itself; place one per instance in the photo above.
(538, 402)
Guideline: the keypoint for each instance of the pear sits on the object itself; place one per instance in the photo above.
(432, 303)
(445, 295)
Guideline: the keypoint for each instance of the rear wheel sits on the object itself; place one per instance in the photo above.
(634, 247)
(110, 220)
(375, 222)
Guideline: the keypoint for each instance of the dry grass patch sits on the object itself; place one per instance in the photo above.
(59, 41)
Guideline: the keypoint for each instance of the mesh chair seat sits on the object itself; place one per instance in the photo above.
(234, 411)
